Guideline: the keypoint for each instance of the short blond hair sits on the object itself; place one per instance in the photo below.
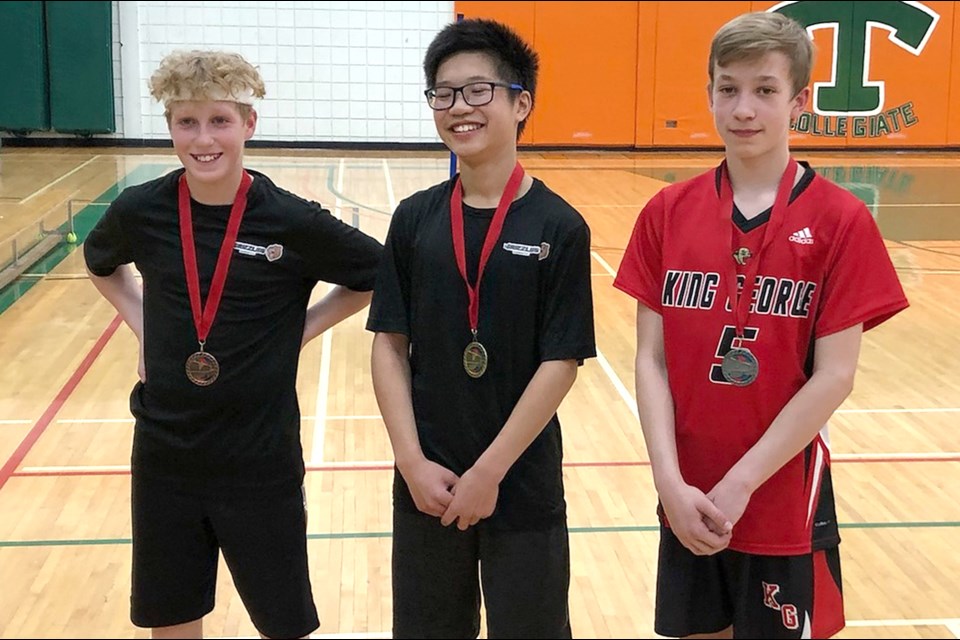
(752, 35)
(206, 75)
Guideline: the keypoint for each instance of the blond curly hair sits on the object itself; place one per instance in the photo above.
(206, 75)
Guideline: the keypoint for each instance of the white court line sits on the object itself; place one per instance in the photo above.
(66, 175)
(918, 622)
(323, 390)
(932, 205)
(58, 276)
(378, 417)
(931, 456)
(94, 420)
(605, 364)
(618, 385)
(603, 263)
(130, 420)
(928, 410)
(326, 348)
(96, 468)
(364, 635)
(952, 624)
(360, 635)
(932, 272)
(391, 197)
(638, 207)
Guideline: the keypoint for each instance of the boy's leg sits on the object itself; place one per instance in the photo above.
(526, 582)
(436, 589)
(264, 542)
(790, 596)
(692, 591)
(175, 556)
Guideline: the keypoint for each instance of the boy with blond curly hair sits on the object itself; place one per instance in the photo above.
(229, 261)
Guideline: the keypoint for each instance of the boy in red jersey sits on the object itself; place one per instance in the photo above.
(755, 282)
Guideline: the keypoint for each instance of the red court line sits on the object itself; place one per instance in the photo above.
(387, 466)
(34, 434)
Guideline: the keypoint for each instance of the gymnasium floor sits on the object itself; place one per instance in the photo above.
(65, 427)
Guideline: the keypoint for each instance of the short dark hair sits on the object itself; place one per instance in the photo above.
(514, 59)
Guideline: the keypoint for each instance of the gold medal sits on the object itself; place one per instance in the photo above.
(475, 354)
(202, 368)
(475, 359)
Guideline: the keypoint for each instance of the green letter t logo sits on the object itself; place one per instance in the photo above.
(850, 90)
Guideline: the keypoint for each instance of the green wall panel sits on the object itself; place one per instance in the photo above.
(81, 68)
(23, 68)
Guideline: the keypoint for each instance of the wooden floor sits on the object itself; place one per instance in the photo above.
(65, 427)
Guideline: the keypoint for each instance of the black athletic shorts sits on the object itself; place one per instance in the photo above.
(761, 596)
(177, 538)
(438, 572)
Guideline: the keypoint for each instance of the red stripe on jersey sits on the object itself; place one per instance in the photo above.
(827, 599)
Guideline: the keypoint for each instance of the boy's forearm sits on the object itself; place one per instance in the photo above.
(654, 399)
(655, 406)
(392, 387)
(539, 402)
(122, 290)
(805, 414)
(338, 305)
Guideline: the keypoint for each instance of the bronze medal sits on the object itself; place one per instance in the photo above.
(740, 367)
(475, 359)
(202, 368)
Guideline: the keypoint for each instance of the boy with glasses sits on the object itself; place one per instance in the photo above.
(483, 313)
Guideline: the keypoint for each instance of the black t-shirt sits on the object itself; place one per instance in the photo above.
(535, 305)
(244, 429)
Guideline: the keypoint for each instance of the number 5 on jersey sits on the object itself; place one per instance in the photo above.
(725, 344)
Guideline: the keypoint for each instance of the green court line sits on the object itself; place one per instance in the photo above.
(355, 535)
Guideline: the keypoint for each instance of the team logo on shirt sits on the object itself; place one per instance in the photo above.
(271, 252)
(518, 249)
(741, 255)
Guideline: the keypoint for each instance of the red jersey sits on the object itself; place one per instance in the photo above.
(825, 269)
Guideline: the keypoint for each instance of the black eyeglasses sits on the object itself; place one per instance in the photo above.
(475, 94)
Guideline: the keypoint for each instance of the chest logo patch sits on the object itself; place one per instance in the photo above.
(271, 252)
(517, 249)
